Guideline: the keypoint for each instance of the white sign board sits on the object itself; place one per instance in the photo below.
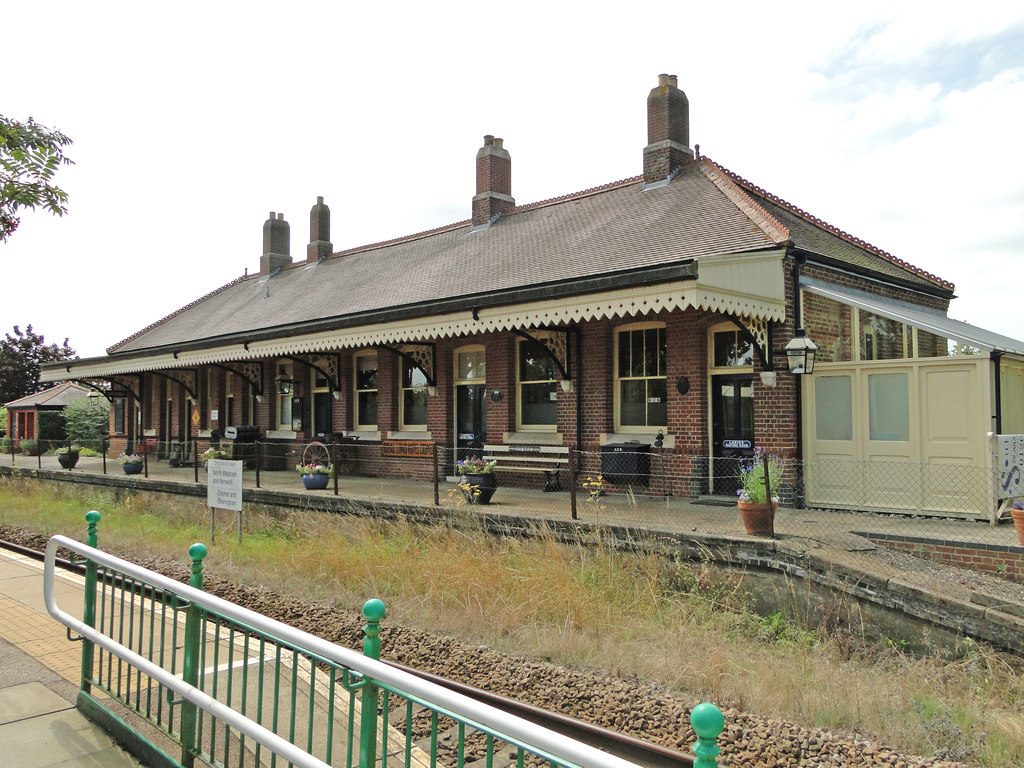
(1010, 459)
(224, 484)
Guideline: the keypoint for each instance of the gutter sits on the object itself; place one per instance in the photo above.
(470, 303)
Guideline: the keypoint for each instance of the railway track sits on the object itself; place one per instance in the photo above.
(629, 748)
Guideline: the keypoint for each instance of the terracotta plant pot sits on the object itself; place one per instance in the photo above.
(758, 519)
(1018, 523)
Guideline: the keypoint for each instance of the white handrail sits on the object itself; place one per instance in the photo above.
(516, 728)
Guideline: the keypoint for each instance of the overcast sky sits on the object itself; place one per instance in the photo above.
(900, 123)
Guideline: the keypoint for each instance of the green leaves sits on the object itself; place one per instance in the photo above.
(30, 155)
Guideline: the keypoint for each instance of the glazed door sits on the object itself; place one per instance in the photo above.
(732, 430)
(470, 420)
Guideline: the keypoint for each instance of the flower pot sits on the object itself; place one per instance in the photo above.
(132, 468)
(479, 488)
(1018, 523)
(758, 519)
(67, 459)
(315, 482)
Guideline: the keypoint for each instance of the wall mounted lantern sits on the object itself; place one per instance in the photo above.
(800, 353)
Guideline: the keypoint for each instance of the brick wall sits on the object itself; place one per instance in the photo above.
(1006, 561)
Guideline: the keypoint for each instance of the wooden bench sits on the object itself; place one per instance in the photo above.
(523, 457)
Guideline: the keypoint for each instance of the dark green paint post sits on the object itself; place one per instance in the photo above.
(708, 723)
(373, 612)
(89, 614)
(190, 660)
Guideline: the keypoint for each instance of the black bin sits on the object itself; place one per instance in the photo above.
(626, 463)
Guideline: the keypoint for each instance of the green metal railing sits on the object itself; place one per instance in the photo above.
(234, 688)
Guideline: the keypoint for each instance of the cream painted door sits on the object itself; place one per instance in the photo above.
(889, 424)
(899, 436)
(832, 474)
(955, 479)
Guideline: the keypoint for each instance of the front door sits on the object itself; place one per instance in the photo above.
(470, 420)
(732, 430)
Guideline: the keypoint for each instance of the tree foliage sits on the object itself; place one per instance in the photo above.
(30, 155)
(88, 421)
(21, 355)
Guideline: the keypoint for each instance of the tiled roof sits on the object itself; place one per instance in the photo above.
(821, 237)
(59, 396)
(617, 228)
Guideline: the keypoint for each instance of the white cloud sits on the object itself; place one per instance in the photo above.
(191, 122)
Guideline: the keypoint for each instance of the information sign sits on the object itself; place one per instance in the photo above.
(1011, 465)
(224, 484)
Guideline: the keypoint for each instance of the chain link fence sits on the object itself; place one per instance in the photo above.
(827, 502)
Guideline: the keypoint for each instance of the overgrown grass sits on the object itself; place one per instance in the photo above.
(678, 624)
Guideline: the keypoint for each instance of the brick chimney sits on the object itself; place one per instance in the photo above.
(493, 182)
(668, 130)
(276, 244)
(319, 233)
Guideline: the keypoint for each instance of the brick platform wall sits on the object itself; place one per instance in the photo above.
(1006, 561)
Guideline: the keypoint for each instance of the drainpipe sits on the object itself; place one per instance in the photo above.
(579, 391)
(798, 262)
(996, 358)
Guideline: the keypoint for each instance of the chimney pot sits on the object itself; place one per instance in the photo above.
(320, 246)
(493, 181)
(668, 130)
(276, 244)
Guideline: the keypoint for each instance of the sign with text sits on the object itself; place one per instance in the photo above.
(224, 484)
(1010, 459)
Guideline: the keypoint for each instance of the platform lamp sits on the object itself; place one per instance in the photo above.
(284, 384)
(800, 353)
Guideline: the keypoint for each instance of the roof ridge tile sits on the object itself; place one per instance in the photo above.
(720, 177)
(113, 348)
(577, 195)
(810, 218)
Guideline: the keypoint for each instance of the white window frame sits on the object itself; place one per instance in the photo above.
(617, 380)
(402, 389)
(284, 367)
(726, 327)
(227, 420)
(520, 427)
(356, 426)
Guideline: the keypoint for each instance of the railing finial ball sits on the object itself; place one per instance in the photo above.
(373, 609)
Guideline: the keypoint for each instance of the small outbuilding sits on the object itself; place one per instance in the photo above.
(24, 414)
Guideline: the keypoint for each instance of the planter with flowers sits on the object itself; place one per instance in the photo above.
(478, 482)
(758, 499)
(131, 463)
(315, 476)
(1017, 513)
(212, 453)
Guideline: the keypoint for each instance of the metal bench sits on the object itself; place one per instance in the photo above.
(522, 457)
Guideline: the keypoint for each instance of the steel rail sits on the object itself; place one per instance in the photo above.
(509, 727)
